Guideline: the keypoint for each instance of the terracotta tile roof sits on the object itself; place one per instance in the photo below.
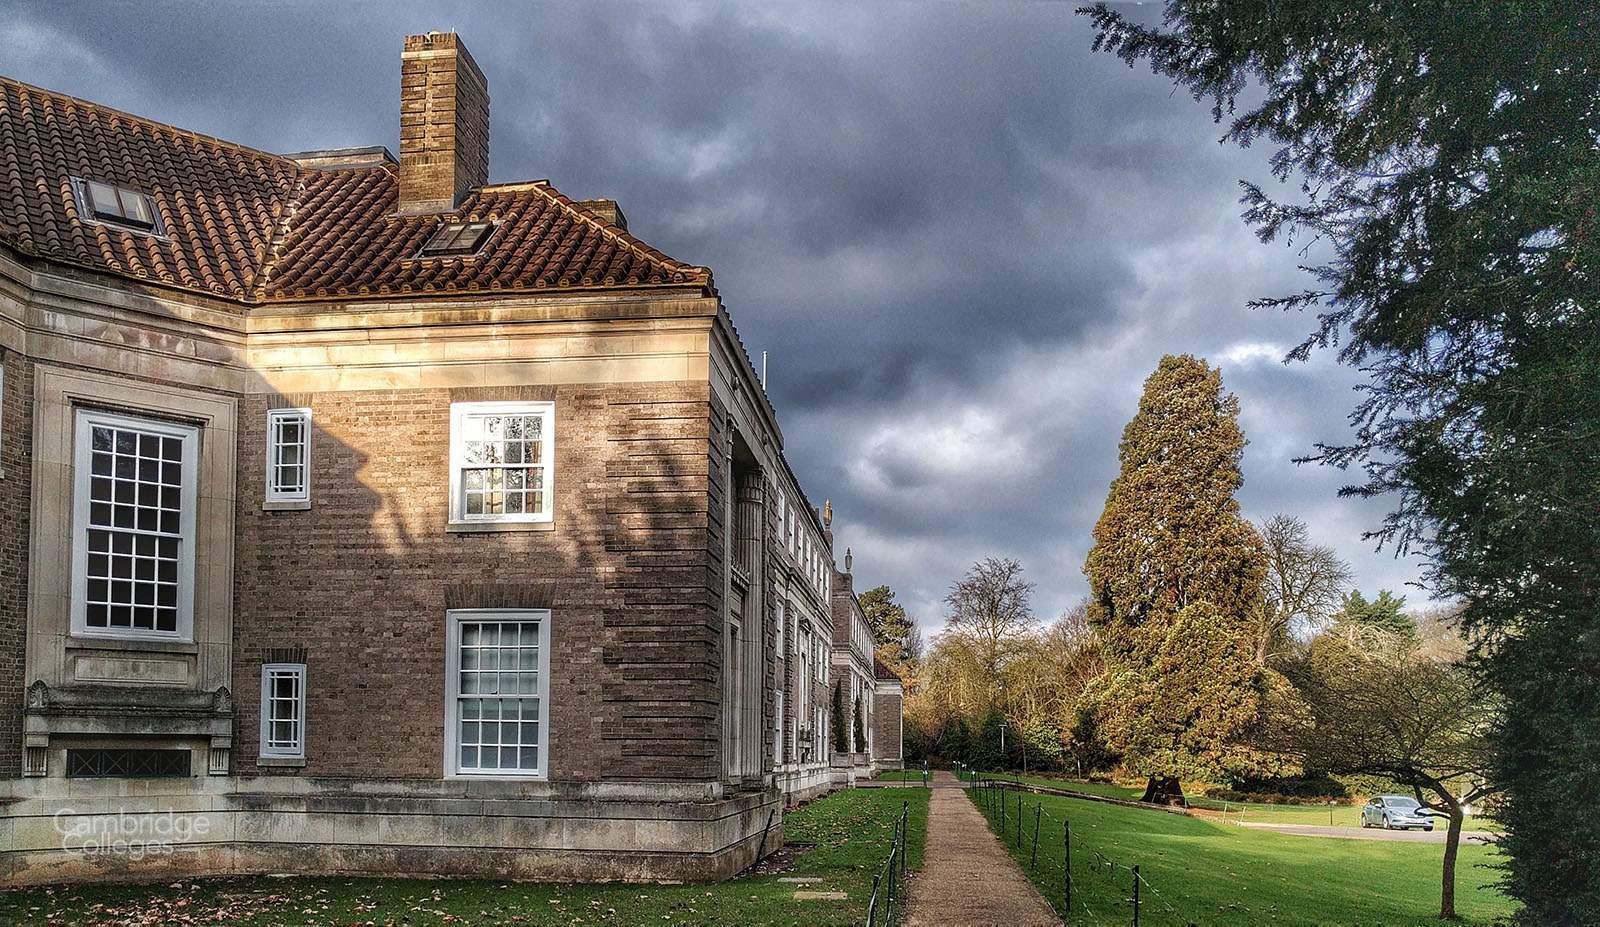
(345, 240)
(881, 670)
(259, 227)
(219, 202)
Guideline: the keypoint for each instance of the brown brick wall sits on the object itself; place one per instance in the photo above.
(16, 459)
(444, 122)
(886, 733)
(363, 579)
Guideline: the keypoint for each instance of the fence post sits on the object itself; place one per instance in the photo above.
(1002, 811)
(1019, 819)
(888, 899)
(1038, 809)
(872, 910)
(1066, 862)
(1135, 896)
(905, 813)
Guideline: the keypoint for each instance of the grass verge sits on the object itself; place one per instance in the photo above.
(1252, 812)
(851, 831)
(1203, 872)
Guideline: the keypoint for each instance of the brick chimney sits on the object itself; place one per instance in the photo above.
(444, 123)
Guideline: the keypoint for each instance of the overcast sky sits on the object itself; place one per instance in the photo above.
(963, 240)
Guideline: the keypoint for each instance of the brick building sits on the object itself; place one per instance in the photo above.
(357, 514)
(854, 675)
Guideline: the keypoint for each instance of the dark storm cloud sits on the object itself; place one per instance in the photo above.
(963, 240)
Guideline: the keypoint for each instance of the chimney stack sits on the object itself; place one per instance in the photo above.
(444, 123)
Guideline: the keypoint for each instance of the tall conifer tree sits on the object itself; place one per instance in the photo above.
(1174, 574)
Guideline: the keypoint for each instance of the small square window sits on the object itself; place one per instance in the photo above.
(119, 205)
(289, 455)
(457, 239)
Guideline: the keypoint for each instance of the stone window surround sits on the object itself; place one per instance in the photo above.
(277, 498)
(53, 651)
(543, 520)
(84, 421)
(454, 618)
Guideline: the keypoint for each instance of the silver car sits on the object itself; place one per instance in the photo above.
(1388, 811)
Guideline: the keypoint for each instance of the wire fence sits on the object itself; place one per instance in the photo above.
(888, 884)
(1094, 884)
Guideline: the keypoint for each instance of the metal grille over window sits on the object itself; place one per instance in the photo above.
(288, 455)
(283, 710)
(127, 764)
(498, 700)
(135, 529)
(457, 239)
(119, 204)
(503, 466)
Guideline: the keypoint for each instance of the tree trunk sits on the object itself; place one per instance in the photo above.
(1452, 843)
(1163, 790)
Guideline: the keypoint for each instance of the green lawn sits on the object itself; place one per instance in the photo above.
(1208, 873)
(852, 830)
(1108, 789)
(910, 776)
(1252, 812)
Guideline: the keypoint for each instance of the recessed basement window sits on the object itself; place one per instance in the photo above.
(127, 764)
(110, 203)
(457, 239)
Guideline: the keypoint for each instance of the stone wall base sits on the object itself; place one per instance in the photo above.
(136, 830)
(803, 784)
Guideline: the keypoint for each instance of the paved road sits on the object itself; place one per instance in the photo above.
(1373, 833)
(968, 879)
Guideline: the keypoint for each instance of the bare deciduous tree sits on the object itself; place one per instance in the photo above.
(990, 606)
(1302, 588)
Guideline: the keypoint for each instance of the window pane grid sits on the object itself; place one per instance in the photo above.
(497, 706)
(503, 466)
(134, 531)
(283, 709)
(288, 455)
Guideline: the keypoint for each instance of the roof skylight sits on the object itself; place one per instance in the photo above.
(119, 204)
(457, 239)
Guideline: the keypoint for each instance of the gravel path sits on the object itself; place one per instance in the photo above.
(968, 879)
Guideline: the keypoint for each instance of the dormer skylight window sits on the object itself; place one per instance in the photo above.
(120, 205)
(457, 239)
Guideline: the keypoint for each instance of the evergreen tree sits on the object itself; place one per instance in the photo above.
(1174, 574)
(841, 743)
(861, 729)
(1383, 613)
(1447, 158)
(887, 618)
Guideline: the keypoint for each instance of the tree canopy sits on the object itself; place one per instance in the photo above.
(894, 635)
(989, 607)
(1171, 534)
(1175, 574)
(1377, 705)
(1302, 588)
(1446, 156)
(1383, 613)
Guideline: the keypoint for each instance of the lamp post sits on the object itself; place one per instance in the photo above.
(1002, 744)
